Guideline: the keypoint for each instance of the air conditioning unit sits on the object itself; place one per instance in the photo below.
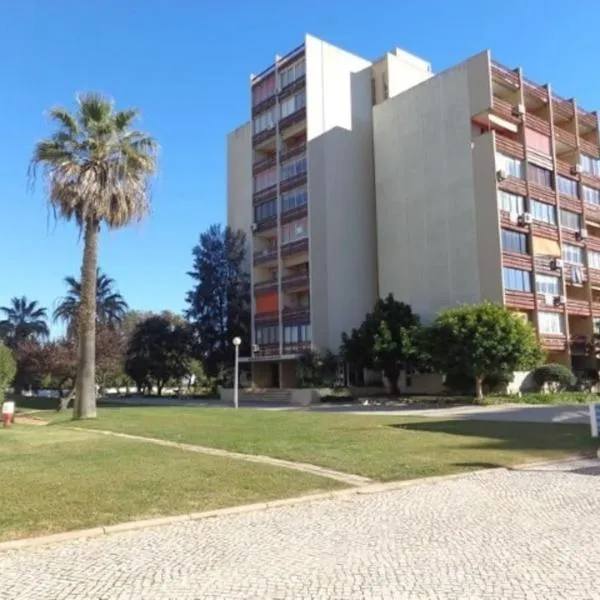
(582, 234)
(557, 263)
(254, 226)
(576, 169)
(255, 348)
(559, 300)
(525, 219)
(518, 110)
(501, 175)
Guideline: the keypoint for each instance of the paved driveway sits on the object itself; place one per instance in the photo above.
(493, 535)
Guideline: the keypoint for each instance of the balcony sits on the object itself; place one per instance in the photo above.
(565, 137)
(264, 104)
(267, 193)
(504, 76)
(535, 91)
(594, 276)
(262, 164)
(292, 87)
(265, 350)
(514, 185)
(263, 257)
(260, 138)
(563, 109)
(519, 300)
(265, 224)
(296, 247)
(298, 212)
(542, 192)
(265, 287)
(553, 342)
(510, 147)
(580, 345)
(263, 318)
(538, 124)
(517, 261)
(293, 119)
(296, 347)
(298, 314)
(589, 148)
(291, 151)
(588, 121)
(578, 307)
(295, 282)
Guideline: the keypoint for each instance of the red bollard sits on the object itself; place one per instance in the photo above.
(8, 414)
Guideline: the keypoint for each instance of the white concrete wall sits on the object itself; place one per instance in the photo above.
(239, 179)
(340, 191)
(405, 71)
(426, 216)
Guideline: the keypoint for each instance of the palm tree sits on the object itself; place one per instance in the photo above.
(97, 171)
(23, 320)
(110, 305)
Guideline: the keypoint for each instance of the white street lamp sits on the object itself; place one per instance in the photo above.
(236, 342)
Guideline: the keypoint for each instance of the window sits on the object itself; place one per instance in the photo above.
(267, 335)
(590, 164)
(570, 219)
(296, 333)
(296, 230)
(513, 166)
(265, 211)
(550, 322)
(291, 73)
(572, 254)
(593, 259)
(513, 241)
(543, 212)
(517, 280)
(537, 141)
(539, 175)
(511, 202)
(373, 91)
(264, 121)
(296, 166)
(546, 284)
(263, 90)
(292, 104)
(591, 195)
(294, 199)
(567, 186)
(264, 179)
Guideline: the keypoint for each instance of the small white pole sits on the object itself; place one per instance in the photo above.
(594, 419)
(236, 342)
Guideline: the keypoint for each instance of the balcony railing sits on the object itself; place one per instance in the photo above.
(295, 117)
(510, 147)
(296, 280)
(520, 300)
(505, 75)
(265, 256)
(566, 137)
(587, 119)
(589, 147)
(292, 151)
(538, 124)
(296, 347)
(265, 193)
(298, 313)
(535, 89)
(578, 307)
(294, 247)
(563, 109)
(553, 342)
(263, 136)
(267, 317)
(504, 109)
(265, 286)
(542, 192)
(263, 163)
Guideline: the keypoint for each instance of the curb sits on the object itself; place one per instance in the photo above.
(373, 488)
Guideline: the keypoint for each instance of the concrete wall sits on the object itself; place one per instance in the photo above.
(239, 178)
(340, 191)
(428, 239)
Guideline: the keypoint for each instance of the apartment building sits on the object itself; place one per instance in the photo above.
(357, 178)
(488, 187)
(301, 184)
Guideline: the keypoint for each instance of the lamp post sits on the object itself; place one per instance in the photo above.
(236, 342)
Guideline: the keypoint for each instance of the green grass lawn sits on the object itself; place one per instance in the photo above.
(381, 447)
(55, 479)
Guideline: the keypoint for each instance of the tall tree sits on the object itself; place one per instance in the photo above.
(110, 304)
(159, 351)
(219, 303)
(23, 320)
(479, 341)
(386, 340)
(96, 168)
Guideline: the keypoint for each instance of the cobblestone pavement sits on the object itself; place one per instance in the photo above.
(526, 534)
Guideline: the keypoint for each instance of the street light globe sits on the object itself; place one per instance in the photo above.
(237, 341)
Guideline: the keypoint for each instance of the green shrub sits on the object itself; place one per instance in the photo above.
(555, 376)
(8, 368)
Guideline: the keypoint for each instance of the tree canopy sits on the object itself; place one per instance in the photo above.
(481, 340)
(219, 302)
(23, 320)
(8, 368)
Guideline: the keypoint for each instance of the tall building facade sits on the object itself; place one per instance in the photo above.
(355, 179)
(301, 184)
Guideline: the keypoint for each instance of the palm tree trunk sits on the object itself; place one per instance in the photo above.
(85, 404)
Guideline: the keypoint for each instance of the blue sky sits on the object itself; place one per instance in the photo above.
(186, 65)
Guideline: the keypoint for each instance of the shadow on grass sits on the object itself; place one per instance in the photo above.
(512, 435)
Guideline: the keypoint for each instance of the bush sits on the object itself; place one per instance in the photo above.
(555, 376)
(8, 368)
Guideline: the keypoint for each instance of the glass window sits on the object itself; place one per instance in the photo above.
(546, 284)
(572, 254)
(296, 230)
(516, 280)
(550, 322)
(291, 73)
(263, 90)
(539, 175)
(590, 164)
(570, 219)
(265, 211)
(567, 186)
(294, 199)
(513, 166)
(513, 241)
(292, 104)
(296, 333)
(265, 179)
(593, 259)
(265, 120)
(591, 195)
(296, 166)
(511, 202)
(267, 335)
(543, 212)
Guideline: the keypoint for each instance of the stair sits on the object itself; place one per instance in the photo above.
(267, 395)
